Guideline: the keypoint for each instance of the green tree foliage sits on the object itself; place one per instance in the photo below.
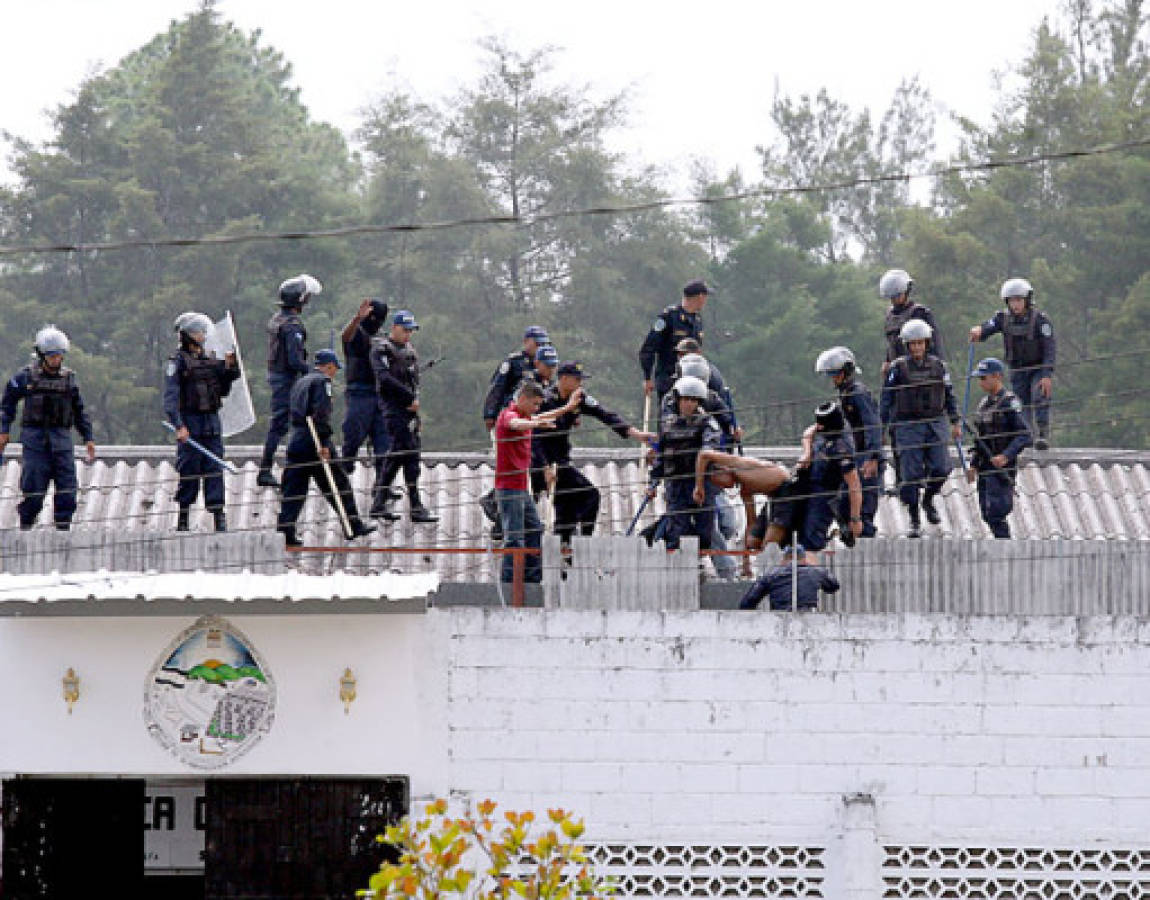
(478, 857)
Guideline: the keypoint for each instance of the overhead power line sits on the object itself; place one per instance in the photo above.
(622, 209)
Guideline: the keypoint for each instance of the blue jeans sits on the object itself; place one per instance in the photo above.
(521, 528)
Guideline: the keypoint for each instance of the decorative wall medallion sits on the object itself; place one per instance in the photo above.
(210, 696)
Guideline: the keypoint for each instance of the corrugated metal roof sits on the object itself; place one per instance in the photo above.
(1068, 494)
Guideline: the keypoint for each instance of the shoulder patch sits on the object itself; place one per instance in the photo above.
(1046, 329)
(659, 324)
(171, 367)
(505, 367)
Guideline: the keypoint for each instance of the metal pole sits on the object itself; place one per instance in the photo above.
(344, 522)
(794, 574)
(966, 404)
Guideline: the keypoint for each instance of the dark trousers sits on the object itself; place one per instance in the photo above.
(871, 491)
(576, 503)
(403, 437)
(48, 458)
(1035, 407)
(194, 467)
(364, 422)
(304, 467)
(819, 516)
(923, 457)
(996, 500)
(281, 385)
(685, 518)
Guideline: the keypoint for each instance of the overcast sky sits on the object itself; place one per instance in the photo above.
(700, 76)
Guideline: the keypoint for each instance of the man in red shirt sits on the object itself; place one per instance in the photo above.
(517, 512)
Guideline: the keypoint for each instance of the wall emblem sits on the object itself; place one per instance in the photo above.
(210, 696)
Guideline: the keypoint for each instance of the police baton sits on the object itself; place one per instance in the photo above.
(642, 506)
(337, 500)
(965, 406)
(223, 463)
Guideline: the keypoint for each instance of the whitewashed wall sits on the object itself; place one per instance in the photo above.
(396, 726)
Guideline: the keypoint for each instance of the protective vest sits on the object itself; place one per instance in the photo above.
(993, 423)
(201, 387)
(49, 400)
(922, 392)
(402, 363)
(1020, 335)
(895, 319)
(679, 444)
(848, 393)
(277, 353)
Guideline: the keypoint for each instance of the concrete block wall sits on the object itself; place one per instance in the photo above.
(729, 727)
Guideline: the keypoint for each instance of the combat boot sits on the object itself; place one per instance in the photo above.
(929, 508)
(291, 539)
(915, 524)
(182, 518)
(359, 528)
(266, 478)
(1042, 442)
(220, 520)
(420, 514)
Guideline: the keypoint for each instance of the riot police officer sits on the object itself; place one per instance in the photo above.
(287, 363)
(396, 367)
(506, 379)
(672, 325)
(195, 385)
(363, 418)
(683, 432)
(777, 584)
(916, 397)
(1028, 338)
(1001, 435)
(838, 363)
(896, 286)
(832, 470)
(576, 498)
(311, 399)
(52, 407)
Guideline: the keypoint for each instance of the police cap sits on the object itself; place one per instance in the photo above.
(989, 366)
(572, 368)
(405, 318)
(547, 355)
(695, 288)
(536, 333)
(327, 357)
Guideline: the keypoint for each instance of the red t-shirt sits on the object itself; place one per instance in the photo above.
(512, 451)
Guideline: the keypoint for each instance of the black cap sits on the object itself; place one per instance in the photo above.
(572, 368)
(695, 288)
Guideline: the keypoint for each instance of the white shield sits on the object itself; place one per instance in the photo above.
(237, 412)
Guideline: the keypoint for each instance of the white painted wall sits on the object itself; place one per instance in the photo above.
(396, 726)
(729, 726)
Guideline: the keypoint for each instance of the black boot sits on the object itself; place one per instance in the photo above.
(63, 526)
(221, 521)
(266, 478)
(915, 524)
(291, 539)
(359, 528)
(182, 519)
(420, 513)
(929, 508)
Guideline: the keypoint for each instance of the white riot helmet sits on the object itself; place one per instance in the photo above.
(694, 365)
(192, 323)
(1017, 287)
(915, 330)
(836, 361)
(689, 386)
(298, 290)
(893, 283)
(51, 339)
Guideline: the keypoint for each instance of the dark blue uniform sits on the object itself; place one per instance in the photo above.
(1001, 429)
(194, 388)
(396, 368)
(287, 363)
(896, 317)
(52, 407)
(363, 419)
(916, 402)
(861, 412)
(505, 382)
(832, 457)
(776, 584)
(1030, 350)
(657, 356)
(680, 440)
(576, 498)
(311, 396)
